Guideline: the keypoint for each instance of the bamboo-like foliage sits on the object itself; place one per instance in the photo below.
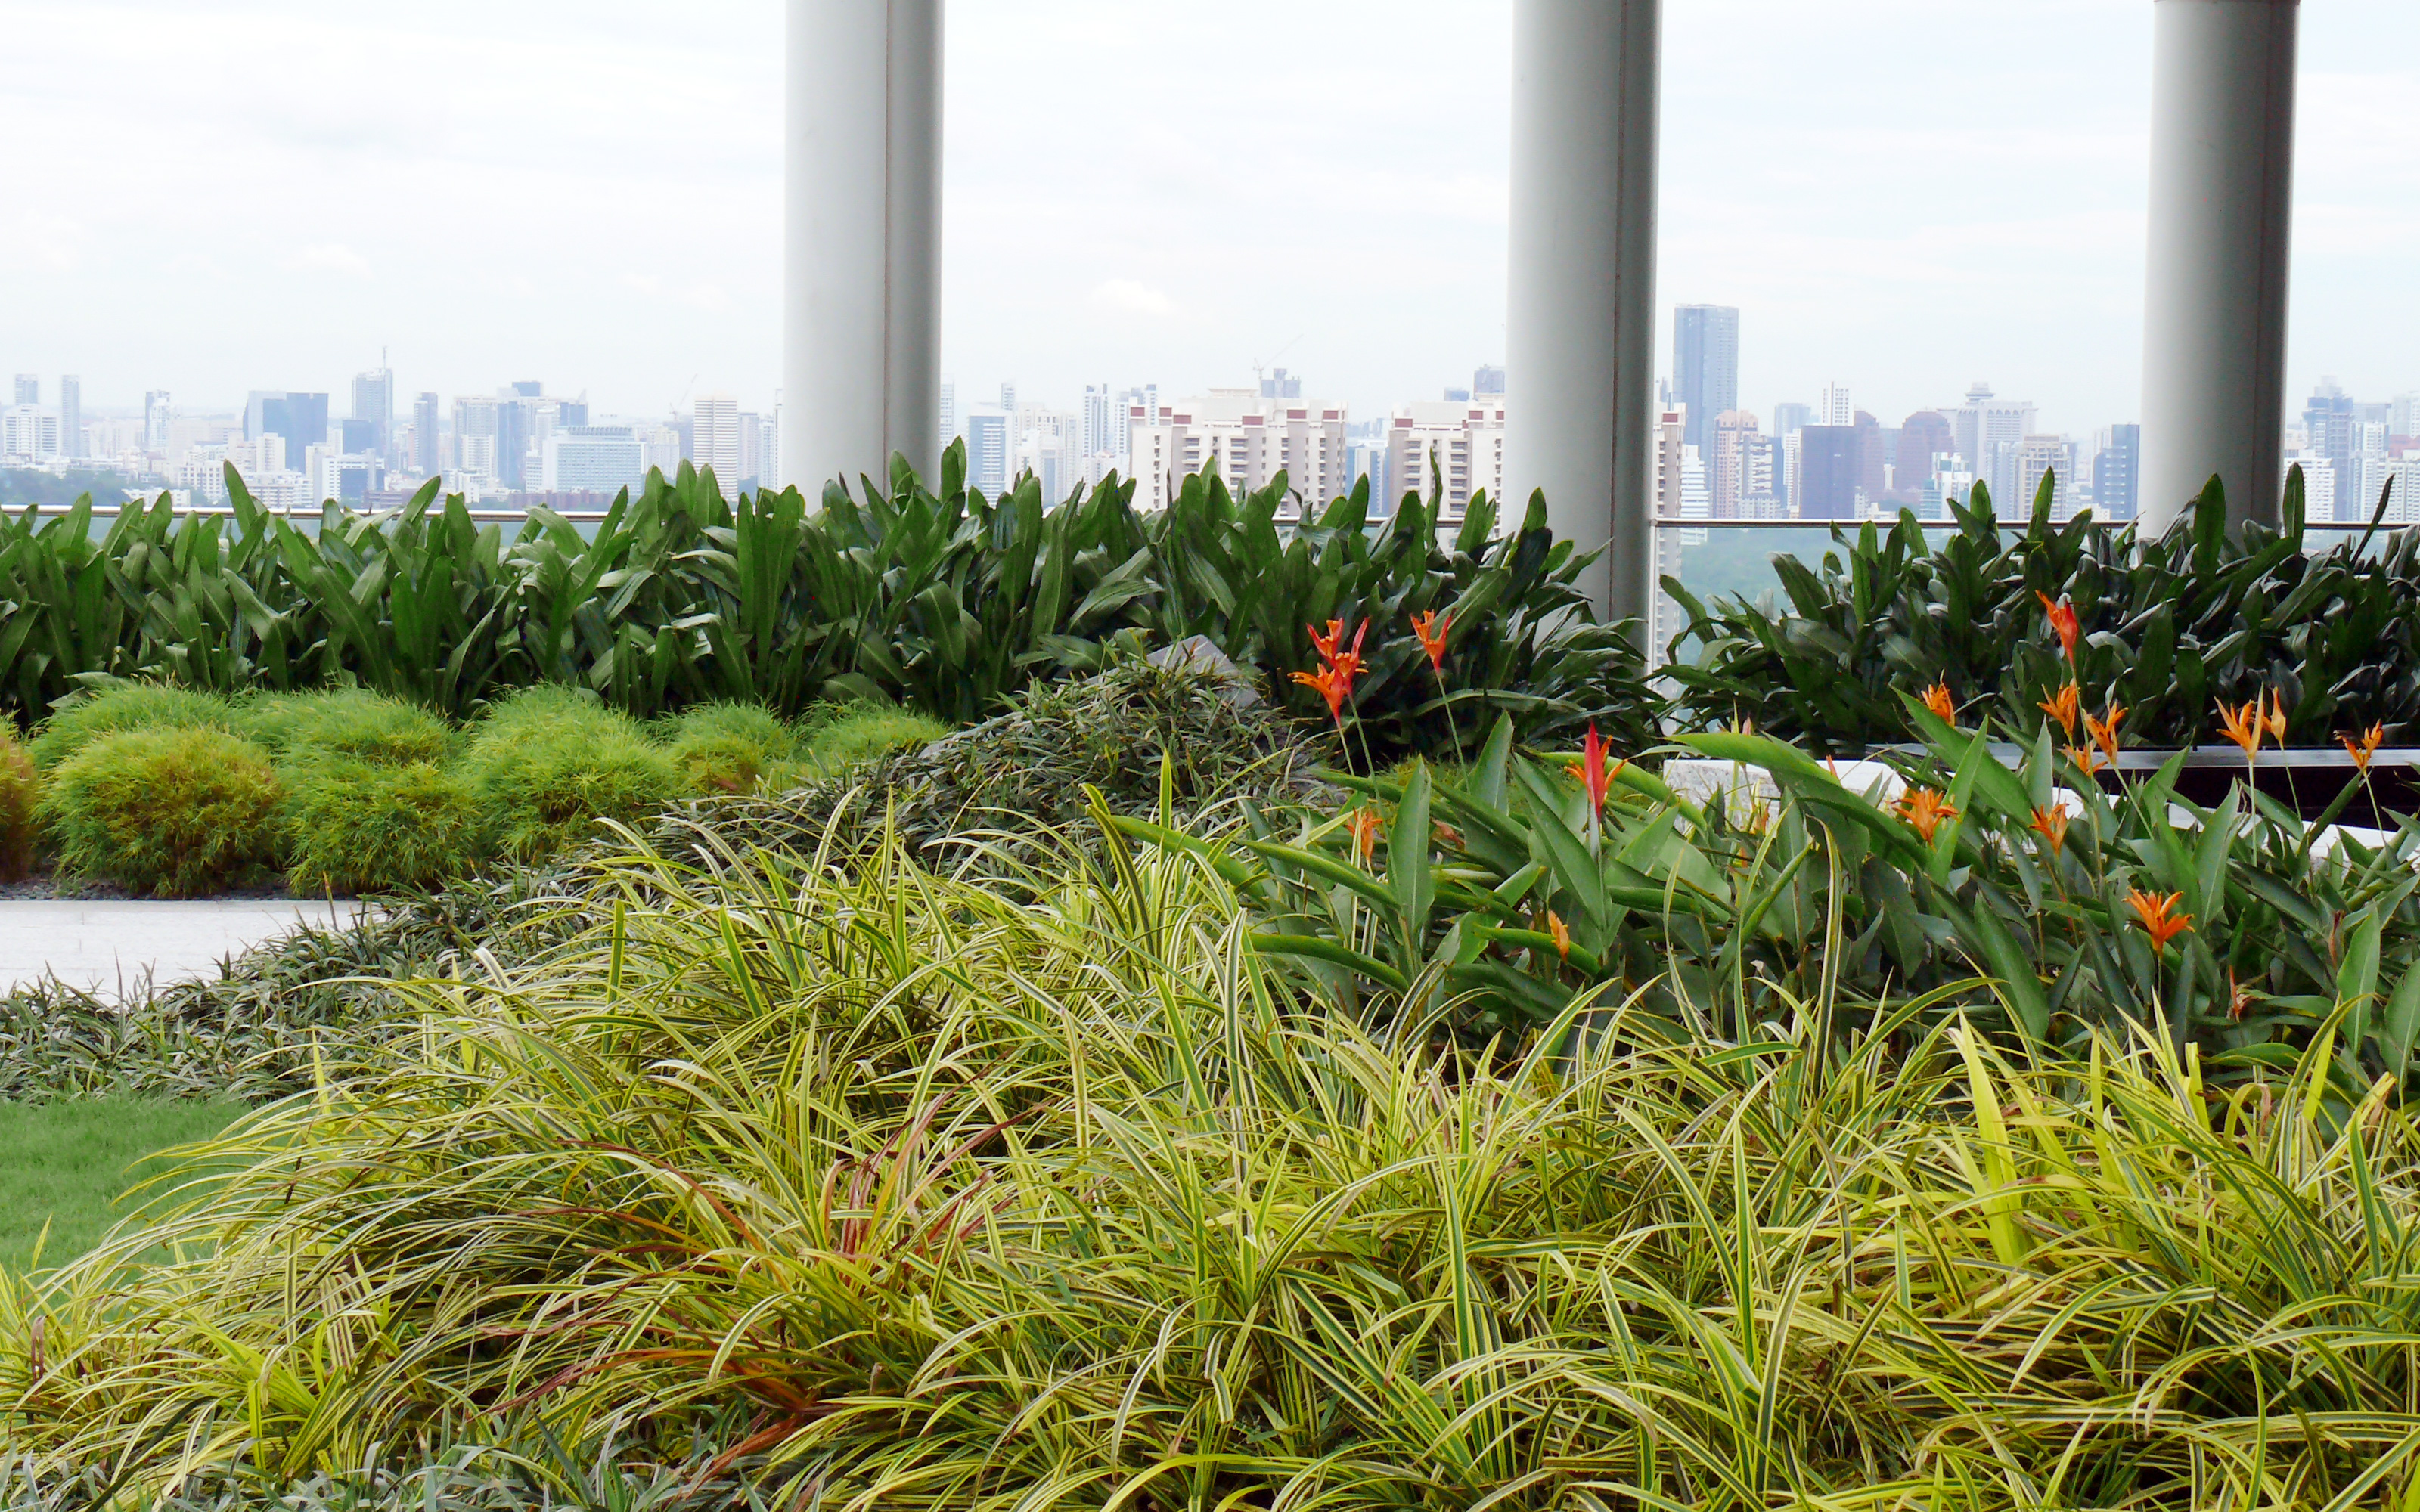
(945, 601)
(926, 1198)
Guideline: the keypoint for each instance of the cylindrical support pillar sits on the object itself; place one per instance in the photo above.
(2214, 305)
(1580, 349)
(861, 357)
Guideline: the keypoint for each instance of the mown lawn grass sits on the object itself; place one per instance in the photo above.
(67, 1163)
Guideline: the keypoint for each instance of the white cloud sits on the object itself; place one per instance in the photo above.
(1128, 297)
(326, 258)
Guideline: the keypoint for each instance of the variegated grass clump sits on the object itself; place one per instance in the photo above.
(903, 1194)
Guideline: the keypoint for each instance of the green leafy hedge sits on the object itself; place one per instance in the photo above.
(2172, 624)
(944, 601)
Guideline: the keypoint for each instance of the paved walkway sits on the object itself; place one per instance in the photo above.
(107, 946)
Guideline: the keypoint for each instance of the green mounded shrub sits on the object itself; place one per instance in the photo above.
(729, 747)
(348, 722)
(21, 791)
(860, 733)
(175, 812)
(87, 717)
(549, 762)
(361, 826)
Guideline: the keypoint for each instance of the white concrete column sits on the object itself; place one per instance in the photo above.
(2221, 202)
(861, 357)
(1580, 349)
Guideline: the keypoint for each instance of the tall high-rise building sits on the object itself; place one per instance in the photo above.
(2117, 469)
(949, 410)
(300, 418)
(1488, 382)
(1104, 436)
(29, 388)
(2041, 457)
(1008, 394)
(1830, 466)
(1705, 366)
(1740, 476)
(476, 421)
(157, 412)
(715, 441)
(374, 404)
(987, 447)
(1280, 384)
(1671, 456)
(427, 459)
(1924, 437)
(2331, 427)
(1990, 430)
(1832, 407)
(71, 415)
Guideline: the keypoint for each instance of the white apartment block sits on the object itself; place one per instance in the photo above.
(2037, 455)
(1453, 447)
(714, 440)
(29, 432)
(1249, 440)
(1671, 424)
(593, 460)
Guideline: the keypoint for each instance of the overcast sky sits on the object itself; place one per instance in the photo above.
(1904, 195)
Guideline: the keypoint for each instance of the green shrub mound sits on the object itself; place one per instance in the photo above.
(551, 763)
(21, 794)
(348, 723)
(729, 747)
(860, 733)
(86, 716)
(363, 828)
(175, 812)
(984, 794)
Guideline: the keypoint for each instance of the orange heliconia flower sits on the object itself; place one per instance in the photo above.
(2153, 912)
(2087, 758)
(1937, 699)
(1364, 824)
(2063, 620)
(1590, 771)
(1332, 651)
(2051, 825)
(2244, 725)
(2276, 720)
(2104, 731)
(1561, 933)
(1432, 628)
(1924, 808)
(2366, 746)
(1333, 683)
(2064, 706)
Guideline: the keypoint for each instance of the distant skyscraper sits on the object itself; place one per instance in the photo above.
(593, 460)
(1787, 418)
(1832, 408)
(1705, 366)
(374, 403)
(1742, 467)
(1922, 437)
(1831, 463)
(949, 412)
(427, 459)
(2331, 427)
(1280, 384)
(2116, 470)
(987, 444)
(1671, 460)
(1104, 435)
(1487, 384)
(2040, 458)
(29, 388)
(1008, 395)
(156, 415)
(1989, 432)
(715, 442)
(71, 415)
(300, 418)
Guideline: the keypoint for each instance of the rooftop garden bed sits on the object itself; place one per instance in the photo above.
(1156, 1093)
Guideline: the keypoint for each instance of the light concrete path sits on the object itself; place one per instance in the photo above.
(108, 947)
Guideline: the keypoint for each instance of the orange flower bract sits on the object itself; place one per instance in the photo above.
(2365, 746)
(2062, 620)
(1924, 810)
(1364, 824)
(2051, 825)
(2065, 706)
(1937, 699)
(2244, 725)
(2104, 731)
(1561, 933)
(2155, 913)
(1432, 628)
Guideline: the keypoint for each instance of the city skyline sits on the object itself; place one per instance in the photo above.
(1336, 206)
